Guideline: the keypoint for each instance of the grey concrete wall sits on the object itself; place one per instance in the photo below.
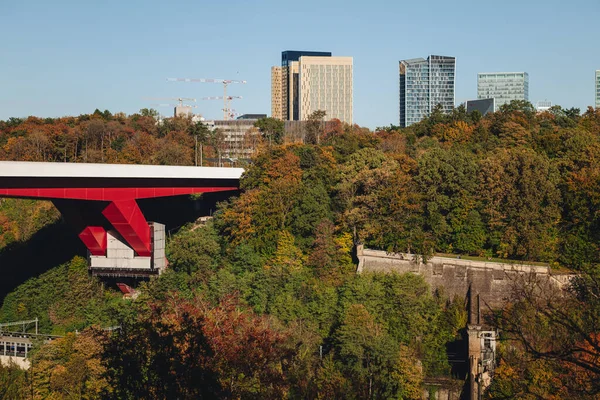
(119, 256)
(20, 362)
(492, 281)
(159, 259)
(441, 389)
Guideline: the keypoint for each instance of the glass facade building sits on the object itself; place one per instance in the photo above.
(503, 87)
(294, 55)
(598, 88)
(424, 84)
(484, 106)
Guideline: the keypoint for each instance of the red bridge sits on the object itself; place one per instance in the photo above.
(90, 195)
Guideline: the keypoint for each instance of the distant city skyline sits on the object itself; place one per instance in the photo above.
(68, 57)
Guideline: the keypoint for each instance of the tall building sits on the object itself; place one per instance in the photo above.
(278, 99)
(598, 88)
(326, 84)
(503, 87)
(285, 84)
(425, 83)
(308, 81)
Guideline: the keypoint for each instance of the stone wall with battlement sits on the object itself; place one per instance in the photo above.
(491, 280)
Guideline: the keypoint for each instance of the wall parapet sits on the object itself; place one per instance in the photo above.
(455, 276)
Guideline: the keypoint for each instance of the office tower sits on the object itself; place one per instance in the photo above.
(285, 84)
(308, 81)
(598, 88)
(326, 84)
(425, 83)
(277, 94)
(504, 87)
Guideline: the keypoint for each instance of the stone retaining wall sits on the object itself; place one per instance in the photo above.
(491, 280)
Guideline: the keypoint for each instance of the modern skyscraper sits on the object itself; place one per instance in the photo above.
(308, 81)
(598, 88)
(285, 84)
(278, 98)
(326, 84)
(503, 87)
(425, 83)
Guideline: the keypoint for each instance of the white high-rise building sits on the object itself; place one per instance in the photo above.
(503, 87)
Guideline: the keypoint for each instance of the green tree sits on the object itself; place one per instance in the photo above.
(447, 178)
(378, 366)
(271, 129)
(196, 249)
(148, 112)
(314, 127)
(201, 134)
(13, 383)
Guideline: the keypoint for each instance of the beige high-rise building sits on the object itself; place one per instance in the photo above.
(311, 81)
(326, 84)
(277, 98)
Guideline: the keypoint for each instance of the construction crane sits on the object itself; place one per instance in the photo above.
(172, 105)
(233, 113)
(179, 99)
(220, 98)
(227, 109)
(225, 82)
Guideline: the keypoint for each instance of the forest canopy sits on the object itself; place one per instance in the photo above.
(273, 271)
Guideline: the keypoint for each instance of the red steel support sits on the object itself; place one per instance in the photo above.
(108, 194)
(128, 220)
(94, 238)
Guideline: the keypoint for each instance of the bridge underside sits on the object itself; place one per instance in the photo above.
(103, 207)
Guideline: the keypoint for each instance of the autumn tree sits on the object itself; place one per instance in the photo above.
(520, 204)
(191, 349)
(71, 368)
(558, 331)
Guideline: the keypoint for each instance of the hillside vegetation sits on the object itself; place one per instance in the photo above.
(264, 301)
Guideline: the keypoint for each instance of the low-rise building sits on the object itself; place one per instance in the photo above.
(239, 137)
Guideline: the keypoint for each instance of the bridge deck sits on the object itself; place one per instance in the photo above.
(109, 182)
(88, 170)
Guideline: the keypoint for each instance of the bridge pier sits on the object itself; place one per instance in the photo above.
(127, 218)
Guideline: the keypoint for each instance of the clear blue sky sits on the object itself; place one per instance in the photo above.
(71, 57)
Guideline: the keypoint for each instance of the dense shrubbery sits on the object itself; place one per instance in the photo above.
(263, 301)
(63, 299)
